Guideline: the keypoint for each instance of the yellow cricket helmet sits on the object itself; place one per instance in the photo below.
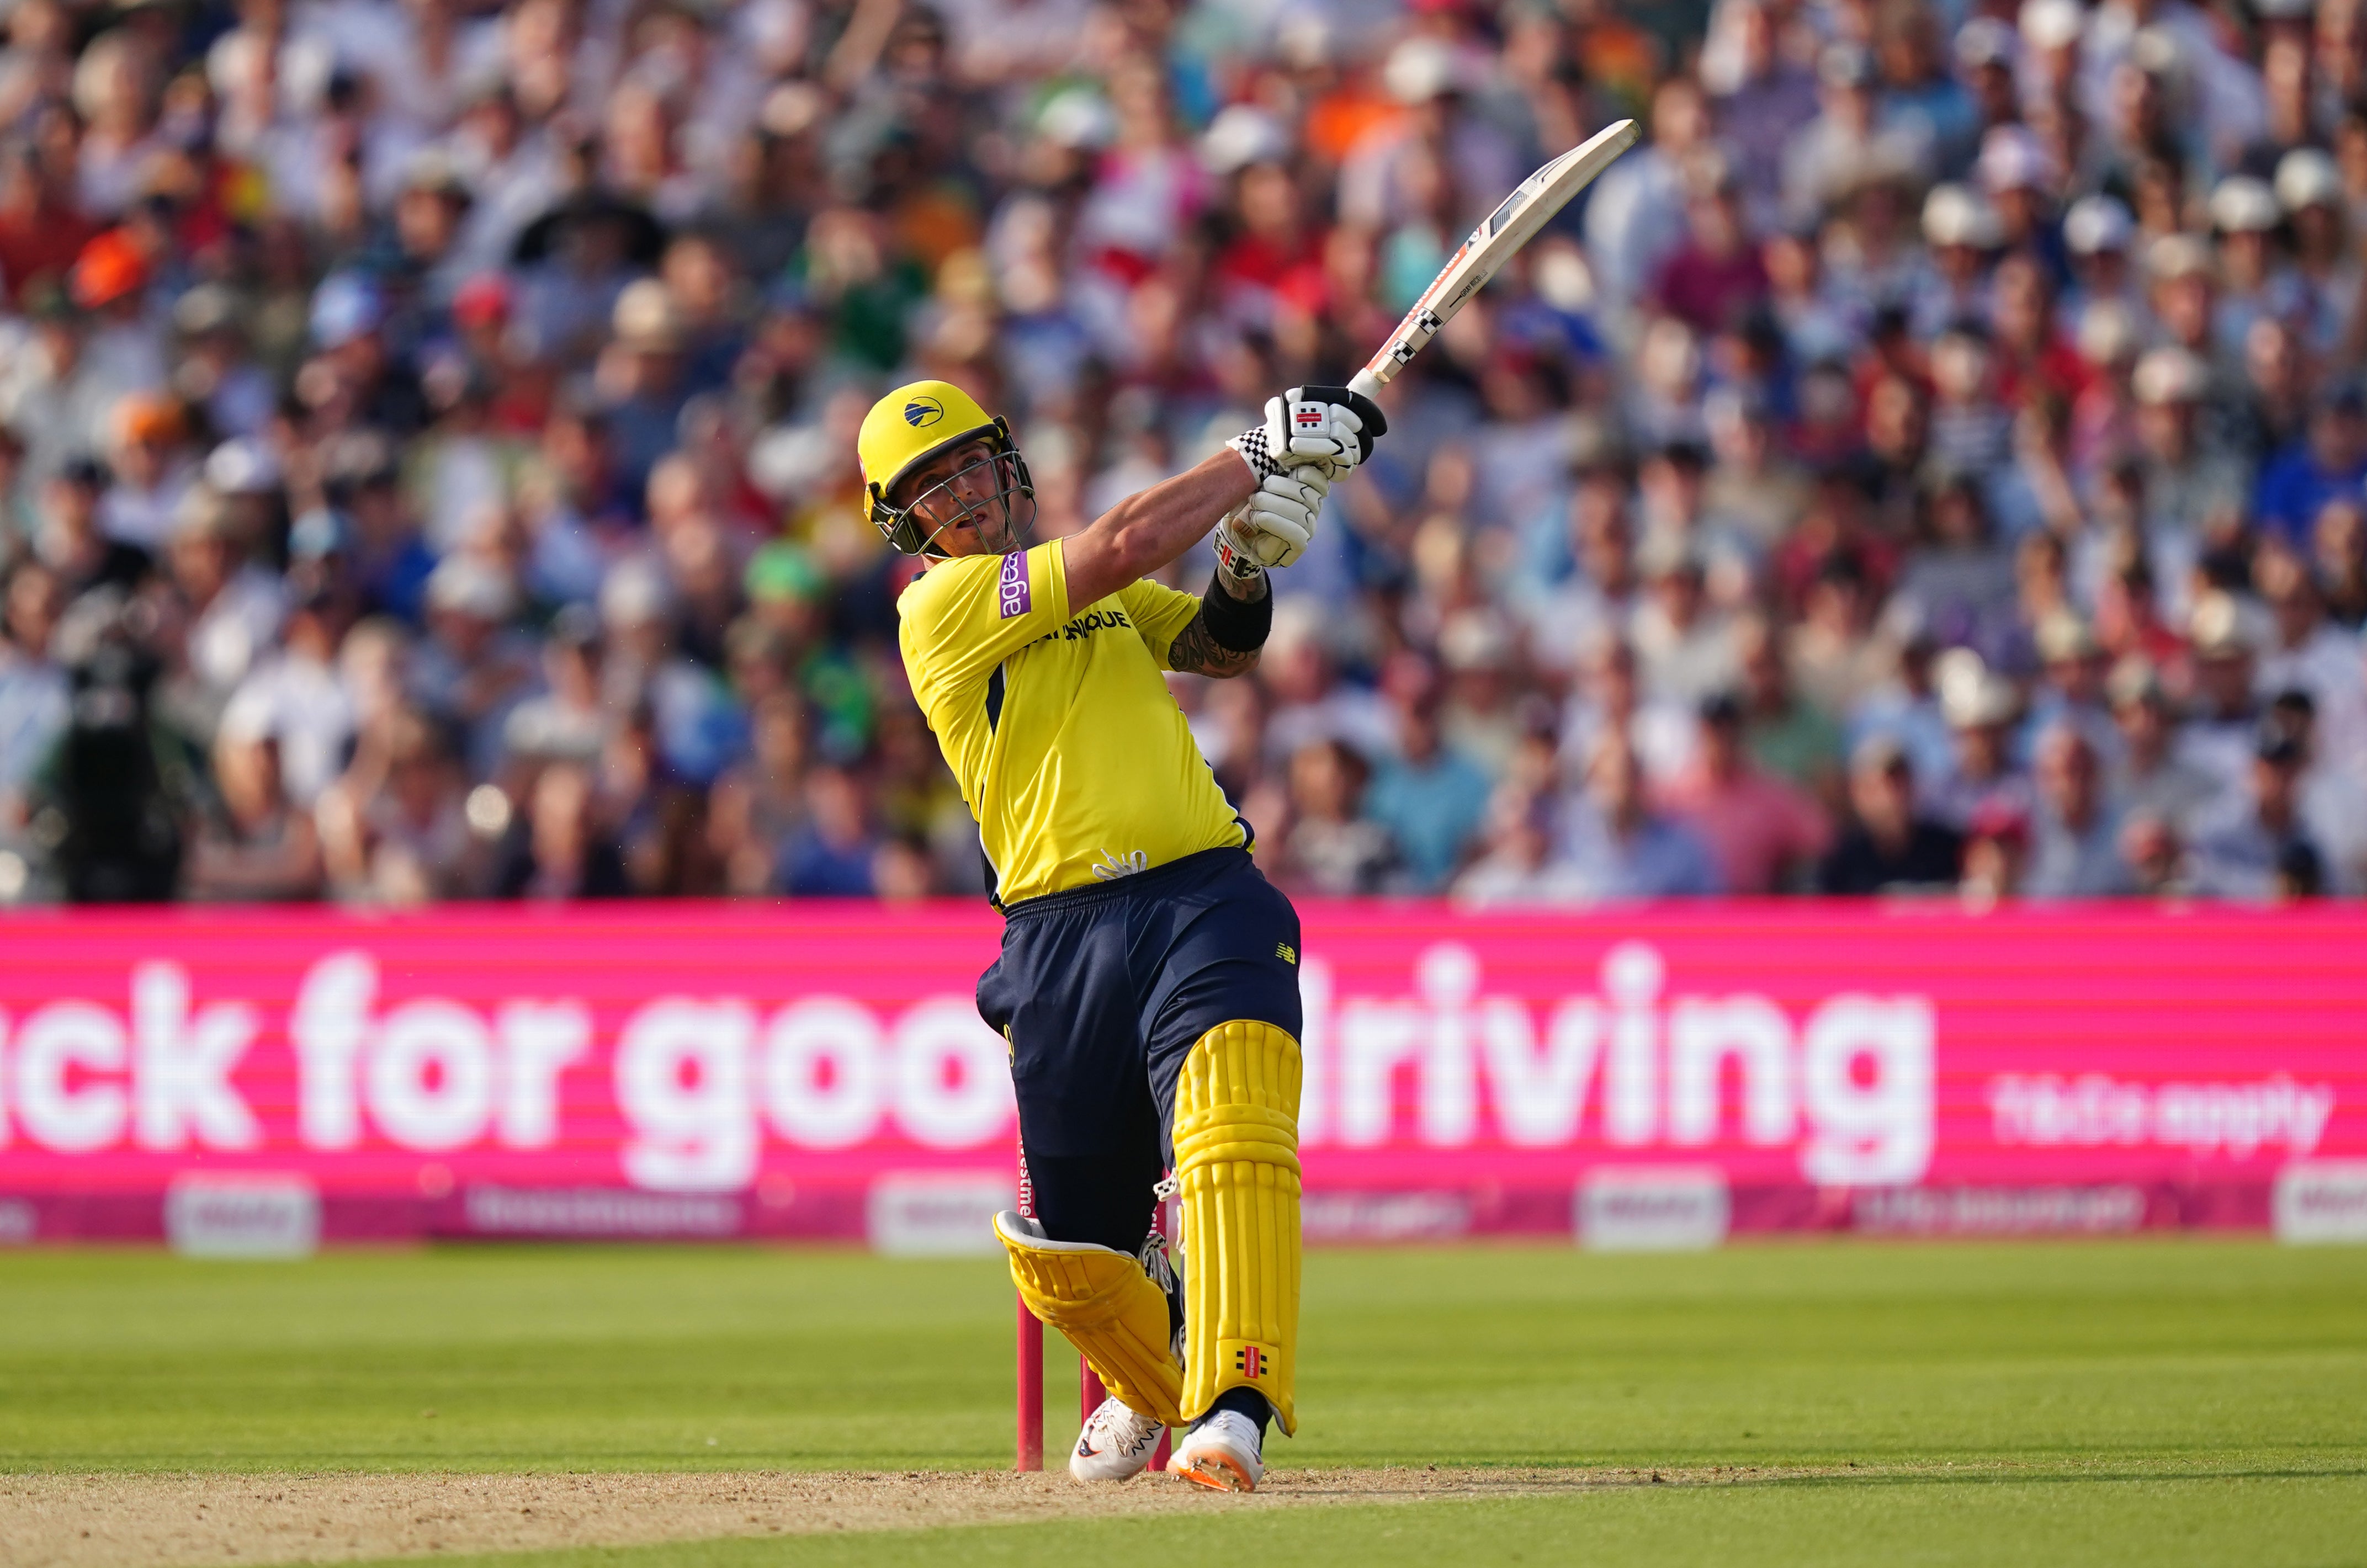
(915, 422)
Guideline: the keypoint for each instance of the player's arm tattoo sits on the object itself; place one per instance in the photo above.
(1196, 651)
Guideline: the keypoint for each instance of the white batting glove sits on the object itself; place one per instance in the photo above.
(1329, 427)
(1272, 528)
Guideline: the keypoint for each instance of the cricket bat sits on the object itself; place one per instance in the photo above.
(1491, 245)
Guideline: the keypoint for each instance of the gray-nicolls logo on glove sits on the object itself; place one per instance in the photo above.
(1311, 437)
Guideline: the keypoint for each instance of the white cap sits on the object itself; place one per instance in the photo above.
(1243, 134)
(2242, 205)
(2108, 333)
(2177, 255)
(1985, 40)
(467, 586)
(1971, 696)
(1079, 117)
(2012, 159)
(635, 594)
(1953, 215)
(2157, 51)
(2307, 177)
(1419, 70)
(2216, 627)
(2052, 23)
(242, 467)
(1470, 640)
(2170, 376)
(2096, 223)
(645, 317)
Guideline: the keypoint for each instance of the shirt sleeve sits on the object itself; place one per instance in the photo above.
(1158, 614)
(967, 616)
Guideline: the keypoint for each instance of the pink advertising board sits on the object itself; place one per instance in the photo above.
(1662, 1075)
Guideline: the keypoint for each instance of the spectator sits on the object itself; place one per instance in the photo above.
(2152, 781)
(831, 855)
(1609, 701)
(153, 469)
(393, 830)
(477, 669)
(1431, 799)
(565, 721)
(1685, 646)
(1788, 735)
(2157, 861)
(1765, 835)
(234, 608)
(902, 871)
(1763, 101)
(1331, 847)
(1997, 856)
(33, 692)
(560, 854)
(1518, 864)
(2339, 561)
(1597, 600)
(2222, 724)
(2307, 653)
(1981, 706)
(1310, 701)
(758, 805)
(2330, 460)
(296, 696)
(2186, 484)
(2075, 850)
(2333, 804)
(1715, 277)
(1888, 846)
(1616, 847)
(2256, 847)
(255, 845)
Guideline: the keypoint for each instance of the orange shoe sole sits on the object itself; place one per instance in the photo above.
(1218, 1472)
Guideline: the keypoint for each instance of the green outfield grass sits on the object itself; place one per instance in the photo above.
(2151, 1402)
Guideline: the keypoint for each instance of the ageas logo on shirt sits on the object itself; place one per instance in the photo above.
(1017, 597)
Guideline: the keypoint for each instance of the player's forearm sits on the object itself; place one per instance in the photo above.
(1153, 527)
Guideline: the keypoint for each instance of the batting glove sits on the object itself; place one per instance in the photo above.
(1272, 528)
(1330, 426)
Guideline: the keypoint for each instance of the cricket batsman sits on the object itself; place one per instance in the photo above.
(1149, 979)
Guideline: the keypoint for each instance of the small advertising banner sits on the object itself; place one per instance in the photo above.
(239, 1080)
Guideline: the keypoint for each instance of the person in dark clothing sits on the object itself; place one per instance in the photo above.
(117, 790)
(560, 852)
(1889, 847)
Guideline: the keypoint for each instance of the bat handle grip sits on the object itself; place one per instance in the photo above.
(1366, 383)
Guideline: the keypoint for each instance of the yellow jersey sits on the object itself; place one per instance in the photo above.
(1059, 726)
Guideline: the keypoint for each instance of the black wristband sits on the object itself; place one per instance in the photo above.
(1237, 626)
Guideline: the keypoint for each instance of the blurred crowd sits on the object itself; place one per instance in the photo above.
(1930, 461)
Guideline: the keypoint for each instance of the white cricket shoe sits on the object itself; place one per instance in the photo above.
(1116, 1443)
(1220, 1453)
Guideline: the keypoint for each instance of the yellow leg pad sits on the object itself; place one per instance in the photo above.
(1109, 1308)
(1237, 1169)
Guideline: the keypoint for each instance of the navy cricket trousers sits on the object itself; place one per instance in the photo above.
(1102, 992)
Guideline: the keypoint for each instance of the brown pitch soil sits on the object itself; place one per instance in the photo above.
(209, 1520)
